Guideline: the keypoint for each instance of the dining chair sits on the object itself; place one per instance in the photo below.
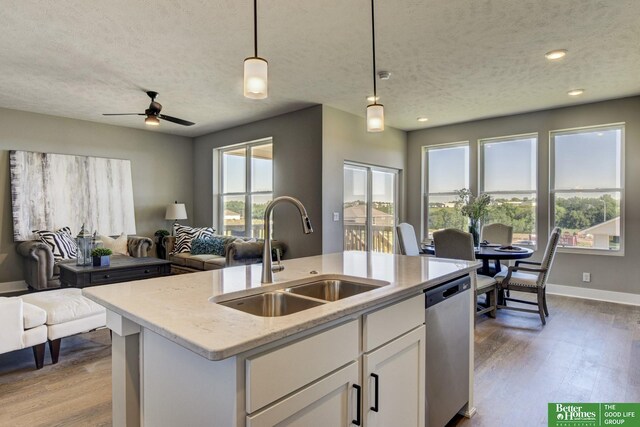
(456, 244)
(497, 233)
(407, 241)
(530, 279)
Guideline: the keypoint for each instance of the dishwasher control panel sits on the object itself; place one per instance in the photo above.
(446, 290)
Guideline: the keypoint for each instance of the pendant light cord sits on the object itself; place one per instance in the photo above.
(373, 43)
(255, 28)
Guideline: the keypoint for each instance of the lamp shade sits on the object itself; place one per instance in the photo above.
(375, 118)
(255, 78)
(176, 211)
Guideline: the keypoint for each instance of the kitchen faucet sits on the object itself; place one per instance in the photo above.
(267, 265)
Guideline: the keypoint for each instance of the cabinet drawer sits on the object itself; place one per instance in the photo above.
(390, 322)
(112, 276)
(275, 374)
(328, 402)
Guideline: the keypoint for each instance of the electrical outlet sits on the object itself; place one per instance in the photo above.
(336, 216)
(586, 277)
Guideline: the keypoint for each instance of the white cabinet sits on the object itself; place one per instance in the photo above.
(394, 382)
(331, 401)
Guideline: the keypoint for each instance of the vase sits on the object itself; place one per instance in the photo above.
(474, 229)
(102, 261)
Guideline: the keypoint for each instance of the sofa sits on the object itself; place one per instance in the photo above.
(40, 270)
(238, 251)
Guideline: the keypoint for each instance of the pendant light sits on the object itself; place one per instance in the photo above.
(255, 68)
(375, 111)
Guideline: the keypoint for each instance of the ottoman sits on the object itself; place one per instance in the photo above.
(68, 313)
(22, 325)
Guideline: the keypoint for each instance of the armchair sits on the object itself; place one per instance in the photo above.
(40, 270)
(22, 325)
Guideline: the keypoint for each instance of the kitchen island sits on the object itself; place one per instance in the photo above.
(182, 358)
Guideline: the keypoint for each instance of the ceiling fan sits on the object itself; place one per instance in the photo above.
(153, 113)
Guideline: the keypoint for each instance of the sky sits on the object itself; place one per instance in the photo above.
(590, 159)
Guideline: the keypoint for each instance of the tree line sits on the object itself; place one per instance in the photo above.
(572, 213)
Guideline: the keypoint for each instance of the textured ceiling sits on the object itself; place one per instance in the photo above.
(451, 60)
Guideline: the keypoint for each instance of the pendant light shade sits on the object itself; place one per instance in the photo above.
(375, 111)
(255, 78)
(255, 68)
(375, 118)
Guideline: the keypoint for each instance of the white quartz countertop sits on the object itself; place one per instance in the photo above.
(179, 307)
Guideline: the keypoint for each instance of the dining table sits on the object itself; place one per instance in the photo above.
(487, 253)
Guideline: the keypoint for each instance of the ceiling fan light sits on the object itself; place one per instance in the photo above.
(152, 121)
(255, 78)
(375, 118)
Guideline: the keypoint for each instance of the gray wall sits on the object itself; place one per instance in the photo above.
(345, 139)
(614, 273)
(161, 167)
(297, 151)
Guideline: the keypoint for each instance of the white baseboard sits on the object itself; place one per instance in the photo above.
(594, 294)
(19, 285)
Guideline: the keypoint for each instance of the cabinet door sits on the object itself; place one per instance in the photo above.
(397, 370)
(331, 401)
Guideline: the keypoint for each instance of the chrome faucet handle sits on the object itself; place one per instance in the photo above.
(278, 266)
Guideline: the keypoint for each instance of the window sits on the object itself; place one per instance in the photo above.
(246, 187)
(508, 173)
(369, 208)
(587, 187)
(445, 170)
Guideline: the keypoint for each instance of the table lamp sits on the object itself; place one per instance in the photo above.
(175, 211)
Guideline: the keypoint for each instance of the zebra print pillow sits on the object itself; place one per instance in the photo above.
(61, 242)
(185, 234)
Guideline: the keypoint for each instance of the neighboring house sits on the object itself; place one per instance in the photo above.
(358, 215)
(603, 232)
(231, 215)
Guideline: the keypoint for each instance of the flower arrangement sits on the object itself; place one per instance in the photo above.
(474, 207)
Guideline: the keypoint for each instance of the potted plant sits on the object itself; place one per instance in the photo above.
(101, 257)
(474, 207)
(160, 249)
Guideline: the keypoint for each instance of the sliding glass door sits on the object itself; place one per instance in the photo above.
(370, 208)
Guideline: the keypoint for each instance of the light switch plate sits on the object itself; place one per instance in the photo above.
(336, 216)
(586, 277)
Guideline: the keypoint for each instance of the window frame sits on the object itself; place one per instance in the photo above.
(424, 208)
(248, 193)
(553, 191)
(536, 137)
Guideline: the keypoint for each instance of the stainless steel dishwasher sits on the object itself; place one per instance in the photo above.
(448, 317)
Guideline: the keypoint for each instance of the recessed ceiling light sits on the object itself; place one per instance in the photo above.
(575, 92)
(423, 119)
(555, 54)
(373, 98)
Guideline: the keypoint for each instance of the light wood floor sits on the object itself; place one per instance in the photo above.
(589, 351)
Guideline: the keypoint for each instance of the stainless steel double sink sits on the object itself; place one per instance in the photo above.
(299, 297)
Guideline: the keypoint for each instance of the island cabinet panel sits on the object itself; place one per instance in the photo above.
(394, 382)
(277, 373)
(181, 388)
(385, 324)
(331, 401)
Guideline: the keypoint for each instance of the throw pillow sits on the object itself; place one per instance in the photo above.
(61, 242)
(214, 245)
(117, 245)
(185, 234)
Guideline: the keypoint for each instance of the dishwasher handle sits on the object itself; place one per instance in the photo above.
(446, 290)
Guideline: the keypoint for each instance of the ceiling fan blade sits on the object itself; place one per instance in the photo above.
(124, 114)
(175, 120)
